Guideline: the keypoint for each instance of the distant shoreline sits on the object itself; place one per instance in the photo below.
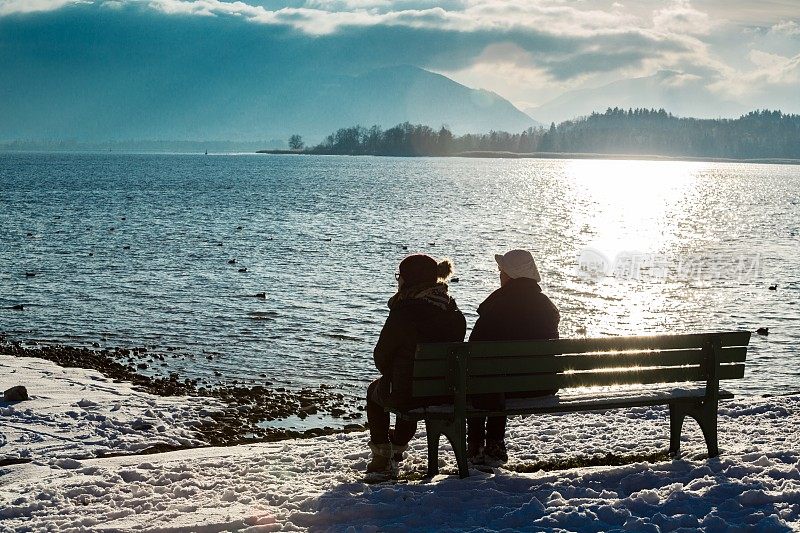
(566, 155)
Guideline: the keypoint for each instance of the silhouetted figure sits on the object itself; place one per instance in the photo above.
(517, 311)
(420, 311)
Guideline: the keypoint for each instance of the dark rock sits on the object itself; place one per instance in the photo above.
(16, 394)
(141, 366)
(763, 331)
(141, 425)
(309, 409)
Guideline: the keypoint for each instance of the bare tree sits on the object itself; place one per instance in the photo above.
(296, 142)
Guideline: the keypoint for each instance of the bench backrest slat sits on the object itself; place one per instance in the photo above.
(529, 366)
(432, 368)
(585, 345)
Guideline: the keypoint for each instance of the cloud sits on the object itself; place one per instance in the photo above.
(10, 7)
(786, 27)
(528, 50)
(682, 18)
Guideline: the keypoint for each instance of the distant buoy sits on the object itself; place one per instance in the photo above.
(763, 331)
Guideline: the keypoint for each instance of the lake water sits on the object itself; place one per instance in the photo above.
(126, 251)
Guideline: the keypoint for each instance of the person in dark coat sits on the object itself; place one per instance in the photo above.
(421, 311)
(517, 311)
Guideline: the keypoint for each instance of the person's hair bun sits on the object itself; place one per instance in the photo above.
(444, 269)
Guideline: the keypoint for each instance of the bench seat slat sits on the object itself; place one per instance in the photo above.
(585, 345)
(571, 403)
(532, 364)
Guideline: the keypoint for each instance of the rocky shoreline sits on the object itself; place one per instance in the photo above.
(248, 409)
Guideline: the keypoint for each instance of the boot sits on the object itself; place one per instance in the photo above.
(495, 452)
(381, 462)
(397, 449)
(475, 452)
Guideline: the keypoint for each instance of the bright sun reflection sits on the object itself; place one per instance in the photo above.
(633, 206)
(624, 209)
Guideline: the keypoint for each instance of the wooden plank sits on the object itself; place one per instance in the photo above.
(591, 404)
(530, 383)
(431, 368)
(602, 361)
(421, 388)
(587, 345)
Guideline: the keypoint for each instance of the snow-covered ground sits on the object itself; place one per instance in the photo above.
(79, 413)
(316, 484)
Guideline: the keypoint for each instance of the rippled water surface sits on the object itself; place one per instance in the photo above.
(134, 250)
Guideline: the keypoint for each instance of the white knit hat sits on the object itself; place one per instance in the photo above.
(518, 264)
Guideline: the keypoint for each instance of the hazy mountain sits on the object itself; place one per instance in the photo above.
(678, 93)
(255, 106)
(389, 96)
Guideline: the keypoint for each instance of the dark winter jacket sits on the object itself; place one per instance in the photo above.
(517, 311)
(423, 314)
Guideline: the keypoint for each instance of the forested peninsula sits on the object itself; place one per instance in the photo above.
(758, 135)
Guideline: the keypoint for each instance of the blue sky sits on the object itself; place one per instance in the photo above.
(529, 52)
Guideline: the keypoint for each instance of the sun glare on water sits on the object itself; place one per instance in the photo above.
(633, 206)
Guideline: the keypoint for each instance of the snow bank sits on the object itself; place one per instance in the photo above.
(315, 484)
(79, 413)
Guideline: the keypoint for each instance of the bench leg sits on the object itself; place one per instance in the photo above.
(677, 413)
(456, 433)
(706, 416)
(704, 413)
(433, 430)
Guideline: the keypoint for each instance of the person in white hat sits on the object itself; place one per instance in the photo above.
(518, 310)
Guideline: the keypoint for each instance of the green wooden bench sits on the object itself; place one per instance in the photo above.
(461, 369)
